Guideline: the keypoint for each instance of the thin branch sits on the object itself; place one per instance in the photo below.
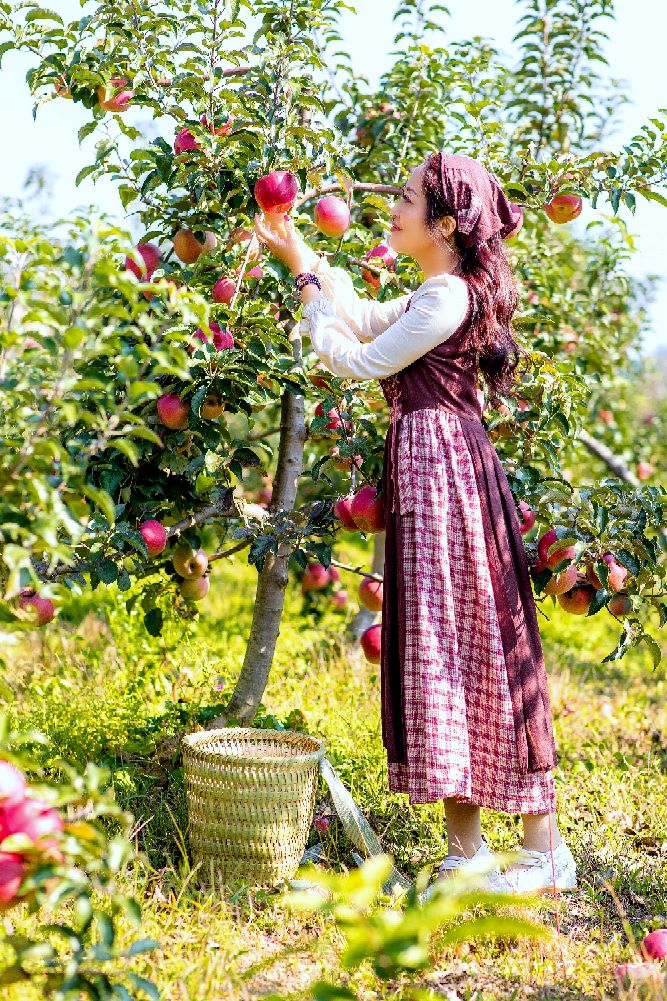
(359, 570)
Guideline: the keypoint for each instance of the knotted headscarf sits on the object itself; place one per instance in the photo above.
(476, 199)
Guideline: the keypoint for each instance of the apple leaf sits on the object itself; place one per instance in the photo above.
(153, 621)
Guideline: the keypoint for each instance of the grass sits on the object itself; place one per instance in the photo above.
(102, 689)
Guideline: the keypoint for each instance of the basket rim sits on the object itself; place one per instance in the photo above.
(191, 742)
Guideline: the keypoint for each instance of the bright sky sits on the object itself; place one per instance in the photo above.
(635, 54)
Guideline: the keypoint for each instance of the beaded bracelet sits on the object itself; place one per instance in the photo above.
(306, 278)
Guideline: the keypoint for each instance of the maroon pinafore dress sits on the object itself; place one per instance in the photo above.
(465, 706)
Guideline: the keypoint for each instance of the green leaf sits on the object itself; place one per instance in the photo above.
(107, 571)
(654, 647)
(102, 500)
(147, 986)
(153, 621)
(127, 448)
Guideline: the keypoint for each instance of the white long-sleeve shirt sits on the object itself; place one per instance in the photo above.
(360, 338)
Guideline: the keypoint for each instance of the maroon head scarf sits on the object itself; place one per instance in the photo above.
(476, 198)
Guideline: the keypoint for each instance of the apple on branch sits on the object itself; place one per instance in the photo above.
(383, 256)
(154, 535)
(563, 208)
(116, 95)
(189, 249)
(367, 510)
(332, 216)
(173, 412)
(42, 609)
(371, 643)
(188, 563)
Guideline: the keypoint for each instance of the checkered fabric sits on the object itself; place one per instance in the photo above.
(459, 731)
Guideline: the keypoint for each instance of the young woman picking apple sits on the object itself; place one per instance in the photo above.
(466, 715)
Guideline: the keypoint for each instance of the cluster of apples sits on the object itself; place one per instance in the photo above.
(370, 594)
(573, 589)
(362, 511)
(317, 577)
(31, 818)
(191, 566)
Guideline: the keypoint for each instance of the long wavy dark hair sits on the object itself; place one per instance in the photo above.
(490, 279)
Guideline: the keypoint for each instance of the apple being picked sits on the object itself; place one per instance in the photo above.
(332, 216)
(563, 208)
(189, 563)
(275, 193)
(383, 256)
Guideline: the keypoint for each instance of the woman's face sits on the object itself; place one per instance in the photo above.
(409, 235)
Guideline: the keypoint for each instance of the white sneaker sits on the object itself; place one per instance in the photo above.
(539, 876)
(480, 862)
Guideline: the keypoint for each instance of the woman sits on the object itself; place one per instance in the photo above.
(466, 715)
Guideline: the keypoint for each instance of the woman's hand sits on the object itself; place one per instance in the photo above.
(285, 243)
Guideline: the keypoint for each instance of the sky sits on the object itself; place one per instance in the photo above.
(635, 55)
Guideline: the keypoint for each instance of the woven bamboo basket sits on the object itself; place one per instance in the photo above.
(250, 797)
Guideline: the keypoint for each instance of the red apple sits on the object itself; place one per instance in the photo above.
(115, 95)
(332, 216)
(620, 604)
(386, 257)
(367, 510)
(222, 339)
(578, 599)
(12, 783)
(154, 535)
(645, 470)
(184, 142)
(528, 517)
(223, 291)
(371, 643)
(607, 417)
(334, 574)
(275, 193)
(256, 272)
(12, 871)
(223, 130)
(150, 255)
(212, 408)
(195, 588)
(518, 213)
(42, 609)
(341, 510)
(563, 581)
(628, 974)
(335, 421)
(560, 553)
(315, 577)
(563, 208)
(616, 576)
(189, 563)
(172, 411)
(339, 599)
(655, 944)
(33, 818)
(370, 594)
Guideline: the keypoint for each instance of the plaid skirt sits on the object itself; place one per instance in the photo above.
(460, 739)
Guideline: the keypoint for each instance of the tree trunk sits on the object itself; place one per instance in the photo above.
(364, 619)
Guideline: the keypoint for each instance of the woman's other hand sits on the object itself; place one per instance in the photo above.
(286, 243)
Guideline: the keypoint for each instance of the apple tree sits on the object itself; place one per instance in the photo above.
(141, 381)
